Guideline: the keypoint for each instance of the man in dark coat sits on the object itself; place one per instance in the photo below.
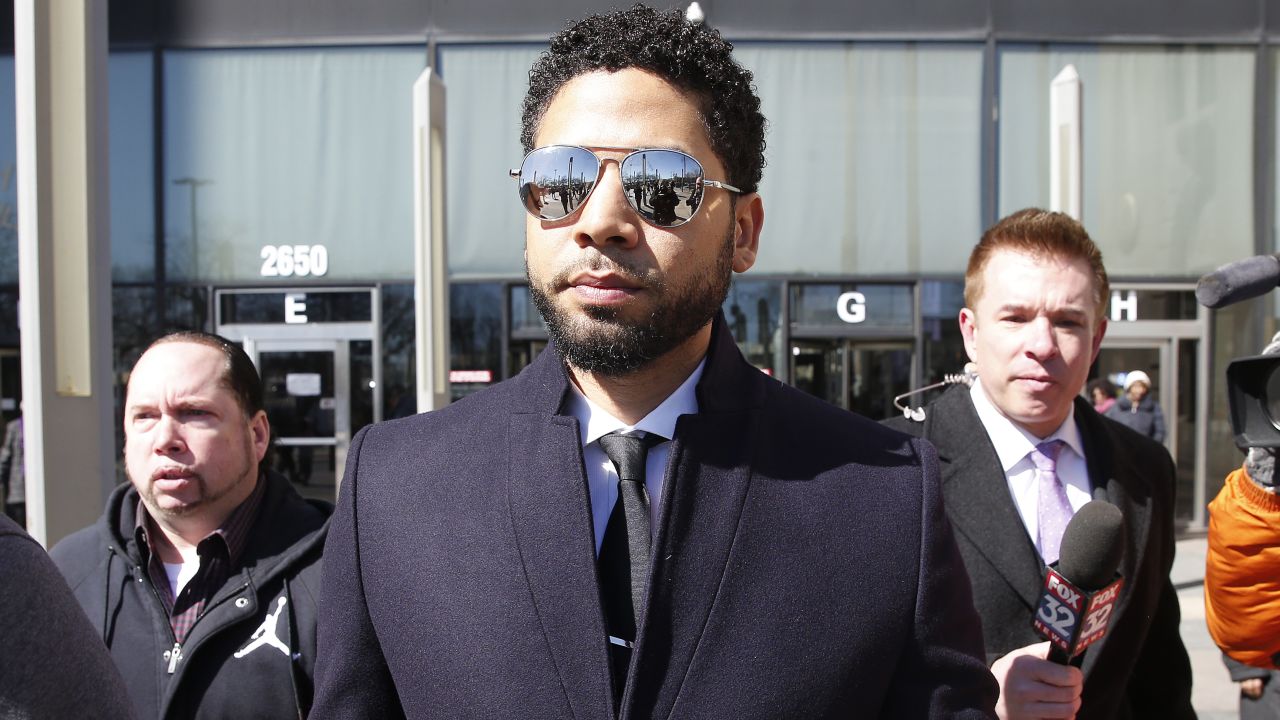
(52, 663)
(1035, 291)
(202, 576)
(641, 524)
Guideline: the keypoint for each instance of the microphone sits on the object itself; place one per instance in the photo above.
(1238, 281)
(1081, 589)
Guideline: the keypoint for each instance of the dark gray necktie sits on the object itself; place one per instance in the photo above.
(624, 552)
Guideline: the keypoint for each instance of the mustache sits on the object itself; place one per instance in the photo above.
(598, 263)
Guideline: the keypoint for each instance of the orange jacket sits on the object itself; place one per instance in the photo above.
(1242, 572)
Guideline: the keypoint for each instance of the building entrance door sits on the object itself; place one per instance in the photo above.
(306, 388)
(320, 374)
(862, 376)
(1164, 333)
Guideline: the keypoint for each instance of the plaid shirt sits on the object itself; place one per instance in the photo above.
(219, 553)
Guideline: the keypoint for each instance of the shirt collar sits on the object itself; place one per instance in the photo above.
(1011, 440)
(595, 422)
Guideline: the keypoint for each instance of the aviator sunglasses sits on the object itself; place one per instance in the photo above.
(663, 186)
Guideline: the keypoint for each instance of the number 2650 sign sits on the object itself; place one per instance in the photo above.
(294, 260)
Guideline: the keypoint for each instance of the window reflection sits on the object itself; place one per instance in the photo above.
(399, 378)
(250, 166)
(753, 312)
(475, 328)
(944, 352)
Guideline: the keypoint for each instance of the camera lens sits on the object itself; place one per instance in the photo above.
(1273, 396)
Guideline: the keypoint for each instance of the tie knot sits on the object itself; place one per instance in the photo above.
(1045, 455)
(627, 452)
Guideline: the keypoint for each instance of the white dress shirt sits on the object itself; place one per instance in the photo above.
(1014, 444)
(602, 477)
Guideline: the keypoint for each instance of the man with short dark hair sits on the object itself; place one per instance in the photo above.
(1035, 292)
(202, 575)
(642, 524)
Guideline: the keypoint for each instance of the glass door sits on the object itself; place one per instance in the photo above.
(306, 387)
(1116, 361)
(862, 376)
(1172, 364)
(877, 372)
(817, 367)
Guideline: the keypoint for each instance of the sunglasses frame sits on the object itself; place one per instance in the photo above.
(631, 151)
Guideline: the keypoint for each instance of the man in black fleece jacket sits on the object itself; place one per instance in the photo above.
(201, 577)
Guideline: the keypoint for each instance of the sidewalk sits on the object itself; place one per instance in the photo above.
(1212, 692)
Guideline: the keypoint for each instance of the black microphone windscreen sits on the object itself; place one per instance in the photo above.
(1092, 546)
(1238, 281)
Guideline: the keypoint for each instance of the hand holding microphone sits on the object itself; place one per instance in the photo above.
(1075, 608)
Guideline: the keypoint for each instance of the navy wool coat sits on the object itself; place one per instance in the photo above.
(802, 566)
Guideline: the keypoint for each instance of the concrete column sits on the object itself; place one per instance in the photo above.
(64, 262)
(430, 260)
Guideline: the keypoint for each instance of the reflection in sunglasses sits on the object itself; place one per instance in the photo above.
(665, 187)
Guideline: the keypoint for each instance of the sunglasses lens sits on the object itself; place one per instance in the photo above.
(556, 179)
(665, 186)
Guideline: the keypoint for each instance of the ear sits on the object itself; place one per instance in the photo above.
(748, 218)
(260, 434)
(969, 331)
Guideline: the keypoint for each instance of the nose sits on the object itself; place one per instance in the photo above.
(607, 218)
(1041, 343)
(168, 438)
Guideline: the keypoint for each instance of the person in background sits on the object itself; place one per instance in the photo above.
(1259, 689)
(1103, 394)
(1137, 409)
(1242, 561)
(203, 574)
(13, 484)
(1021, 452)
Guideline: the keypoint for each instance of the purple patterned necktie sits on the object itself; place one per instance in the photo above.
(1053, 509)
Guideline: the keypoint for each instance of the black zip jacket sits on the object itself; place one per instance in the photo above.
(251, 653)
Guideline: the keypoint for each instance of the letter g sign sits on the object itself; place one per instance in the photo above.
(852, 307)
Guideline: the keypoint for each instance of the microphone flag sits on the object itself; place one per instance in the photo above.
(1072, 618)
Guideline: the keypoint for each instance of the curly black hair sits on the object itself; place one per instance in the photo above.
(690, 56)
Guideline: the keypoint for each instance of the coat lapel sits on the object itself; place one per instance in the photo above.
(1119, 483)
(977, 497)
(706, 484)
(551, 517)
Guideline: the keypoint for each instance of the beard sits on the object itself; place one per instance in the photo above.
(598, 340)
(203, 493)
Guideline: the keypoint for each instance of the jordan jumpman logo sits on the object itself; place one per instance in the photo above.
(266, 633)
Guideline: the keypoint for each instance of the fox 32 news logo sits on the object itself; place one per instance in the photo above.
(1063, 605)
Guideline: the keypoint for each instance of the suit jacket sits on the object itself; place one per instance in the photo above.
(802, 566)
(1140, 668)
